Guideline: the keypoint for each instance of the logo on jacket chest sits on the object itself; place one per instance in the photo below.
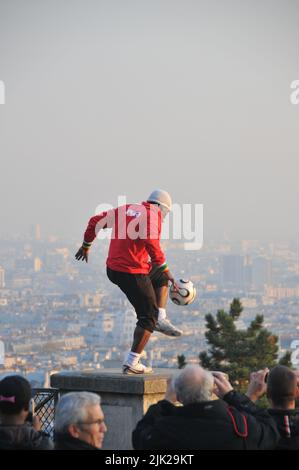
(133, 213)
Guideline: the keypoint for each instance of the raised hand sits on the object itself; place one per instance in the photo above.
(82, 253)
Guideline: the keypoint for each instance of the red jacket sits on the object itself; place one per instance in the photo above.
(136, 232)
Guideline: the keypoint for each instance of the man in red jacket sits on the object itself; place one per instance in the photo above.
(136, 232)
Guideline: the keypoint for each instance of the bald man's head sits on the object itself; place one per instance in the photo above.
(193, 385)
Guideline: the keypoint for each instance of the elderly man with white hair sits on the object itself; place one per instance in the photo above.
(201, 421)
(79, 422)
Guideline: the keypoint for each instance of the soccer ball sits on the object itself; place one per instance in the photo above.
(186, 293)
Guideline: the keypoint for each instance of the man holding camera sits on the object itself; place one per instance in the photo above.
(232, 422)
(18, 429)
(281, 385)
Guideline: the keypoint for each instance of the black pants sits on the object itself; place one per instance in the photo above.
(139, 289)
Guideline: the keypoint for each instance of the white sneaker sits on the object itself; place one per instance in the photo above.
(165, 327)
(136, 369)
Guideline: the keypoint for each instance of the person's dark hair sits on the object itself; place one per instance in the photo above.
(281, 386)
(15, 395)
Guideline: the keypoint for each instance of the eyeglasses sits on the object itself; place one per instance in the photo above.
(98, 421)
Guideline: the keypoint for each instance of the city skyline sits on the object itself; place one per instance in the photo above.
(58, 314)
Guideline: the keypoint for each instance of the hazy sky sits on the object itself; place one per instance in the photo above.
(107, 97)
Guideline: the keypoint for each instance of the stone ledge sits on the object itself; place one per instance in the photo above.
(113, 381)
(124, 398)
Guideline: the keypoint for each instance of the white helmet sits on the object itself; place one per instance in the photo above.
(161, 197)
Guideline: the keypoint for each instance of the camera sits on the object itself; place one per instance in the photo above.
(266, 377)
(30, 416)
(223, 374)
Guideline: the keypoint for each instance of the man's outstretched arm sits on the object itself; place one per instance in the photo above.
(95, 224)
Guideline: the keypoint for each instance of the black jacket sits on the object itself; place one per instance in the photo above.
(23, 437)
(206, 425)
(287, 422)
(67, 442)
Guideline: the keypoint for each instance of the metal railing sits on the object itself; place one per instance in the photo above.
(45, 400)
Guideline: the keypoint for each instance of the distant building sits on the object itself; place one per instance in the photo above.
(37, 264)
(248, 302)
(282, 292)
(91, 300)
(36, 232)
(2, 278)
(129, 325)
(249, 246)
(24, 265)
(261, 272)
(9, 362)
(54, 261)
(67, 343)
(69, 361)
(21, 282)
(2, 353)
(104, 330)
(232, 271)
(247, 272)
(108, 321)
